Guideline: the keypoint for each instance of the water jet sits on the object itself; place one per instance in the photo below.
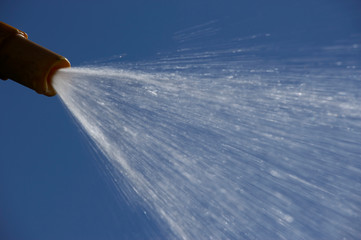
(216, 146)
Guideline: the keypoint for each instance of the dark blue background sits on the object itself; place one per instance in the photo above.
(50, 183)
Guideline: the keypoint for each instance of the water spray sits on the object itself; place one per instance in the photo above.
(218, 144)
(26, 62)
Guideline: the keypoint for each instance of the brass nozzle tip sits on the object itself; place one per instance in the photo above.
(61, 63)
(27, 62)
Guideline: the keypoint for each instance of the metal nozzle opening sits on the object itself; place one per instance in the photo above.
(26, 62)
(62, 63)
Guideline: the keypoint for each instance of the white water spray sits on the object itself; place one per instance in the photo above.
(219, 147)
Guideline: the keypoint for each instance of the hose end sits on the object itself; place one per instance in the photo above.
(26, 62)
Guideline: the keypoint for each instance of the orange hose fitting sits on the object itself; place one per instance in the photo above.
(26, 62)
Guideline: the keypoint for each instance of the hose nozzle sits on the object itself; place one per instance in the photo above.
(26, 62)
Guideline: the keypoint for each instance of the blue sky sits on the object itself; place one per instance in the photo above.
(50, 183)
